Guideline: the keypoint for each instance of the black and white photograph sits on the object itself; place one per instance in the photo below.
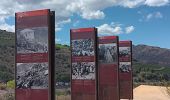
(124, 51)
(83, 47)
(125, 67)
(107, 53)
(32, 40)
(83, 70)
(32, 75)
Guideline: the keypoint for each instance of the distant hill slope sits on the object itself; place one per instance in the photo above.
(6, 55)
(152, 55)
(150, 63)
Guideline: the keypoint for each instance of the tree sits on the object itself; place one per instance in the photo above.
(11, 84)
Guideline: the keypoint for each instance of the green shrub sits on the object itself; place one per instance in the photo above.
(11, 84)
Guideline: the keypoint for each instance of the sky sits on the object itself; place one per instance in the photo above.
(142, 21)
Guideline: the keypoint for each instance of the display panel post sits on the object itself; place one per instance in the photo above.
(125, 70)
(108, 70)
(34, 55)
(83, 64)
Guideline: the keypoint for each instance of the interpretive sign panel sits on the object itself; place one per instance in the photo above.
(34, 40)
(125, 70)
(108, 73)
(83, 64)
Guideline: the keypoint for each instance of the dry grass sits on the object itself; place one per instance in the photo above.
(168, 90)
(63, 97)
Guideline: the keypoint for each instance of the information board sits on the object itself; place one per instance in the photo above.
(108, 73)
(34, 62)
(83, 64)
(125, 70)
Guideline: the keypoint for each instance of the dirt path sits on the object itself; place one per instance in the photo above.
(145, 92)
(2, 92)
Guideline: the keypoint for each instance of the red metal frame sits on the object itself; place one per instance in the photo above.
(30, 19)
(126, 79)
(108, 74)
(84, 89)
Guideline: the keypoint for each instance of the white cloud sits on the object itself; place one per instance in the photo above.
(109, 30)
(158, 15)
(155, 15)
(87, 9)
(129, 29)
(76, 23)
(156, 2)
(58, 29)
(114, 29)
(93, 15)
(57, 39)
(66, 21)
(10, 28)
(131, 3)
(150, 16)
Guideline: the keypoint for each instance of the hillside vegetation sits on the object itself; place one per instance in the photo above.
(151, 74)
(151, 64)
(6, 56)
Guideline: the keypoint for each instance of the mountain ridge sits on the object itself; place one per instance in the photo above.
(143, 55)
(151, 55)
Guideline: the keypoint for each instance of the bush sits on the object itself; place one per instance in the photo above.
(9, 96)
(11, 84)
(2, 86)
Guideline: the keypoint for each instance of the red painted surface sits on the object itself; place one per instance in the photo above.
(24, 20)
(83, 34)
(84, 89)
(32, 13)
(31, 94)
(82, 30)
(83, 59)
(32, 57)
(126, 79)
(108, 79)
(125, 59)
(31, 22)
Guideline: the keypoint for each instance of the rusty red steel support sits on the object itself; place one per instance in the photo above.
(83, 64)
(125, 70)
(34, 55)
(108, 70)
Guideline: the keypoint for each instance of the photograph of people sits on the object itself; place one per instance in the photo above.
(83, 47)
(32, 40)
(125, 67)
(32, 75)
(124, 51)
(107, 53)
(83, 70)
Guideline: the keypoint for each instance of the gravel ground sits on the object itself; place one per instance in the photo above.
(145, 92)
(2, 92)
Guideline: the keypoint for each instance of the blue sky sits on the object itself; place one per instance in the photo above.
(153, 31)
(142, 21)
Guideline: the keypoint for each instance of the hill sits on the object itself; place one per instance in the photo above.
(151, 64)
(151, 55)
(6, 55)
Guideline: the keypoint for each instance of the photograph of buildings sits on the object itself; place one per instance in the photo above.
(82, 47)
(32, 75)
(107, 53)
(124, 51)
(33, 40)
(125, 67)
(83, 70)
